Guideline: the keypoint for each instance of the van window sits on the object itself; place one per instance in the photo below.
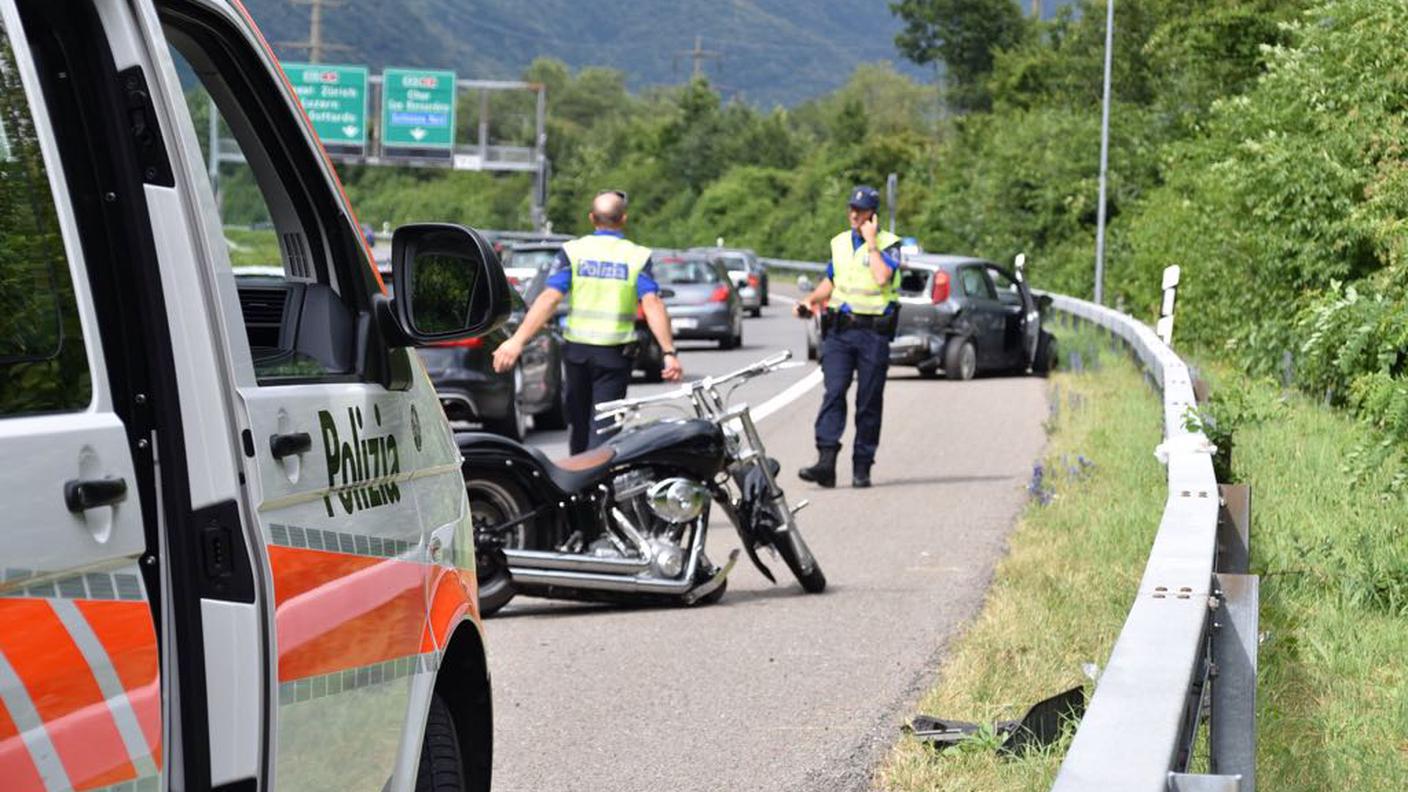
(297, 272)
(43, 362)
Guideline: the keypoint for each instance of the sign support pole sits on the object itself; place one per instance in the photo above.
(1104, 157)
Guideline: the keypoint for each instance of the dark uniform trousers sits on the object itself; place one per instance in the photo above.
(864, 354)
(595, 374)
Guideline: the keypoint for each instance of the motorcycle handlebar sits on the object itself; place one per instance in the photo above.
(767, 364)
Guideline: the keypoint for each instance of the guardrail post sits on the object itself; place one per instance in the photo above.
(1232, 726)
(1234, 529)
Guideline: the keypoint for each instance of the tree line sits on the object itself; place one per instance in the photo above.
(1259, 144)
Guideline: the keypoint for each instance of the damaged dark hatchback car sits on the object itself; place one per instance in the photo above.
(963, 316)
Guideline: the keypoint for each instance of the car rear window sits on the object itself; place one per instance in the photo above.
(913, 281)
(685, 271)
(528, 259)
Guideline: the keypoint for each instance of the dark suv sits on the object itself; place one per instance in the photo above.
(964, 315)
(471, 391)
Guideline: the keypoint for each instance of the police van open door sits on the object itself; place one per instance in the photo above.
(80, 697)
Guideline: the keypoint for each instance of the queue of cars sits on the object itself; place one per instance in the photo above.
(706, 300)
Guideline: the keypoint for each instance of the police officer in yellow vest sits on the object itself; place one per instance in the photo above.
(858, 325)
(607, 276)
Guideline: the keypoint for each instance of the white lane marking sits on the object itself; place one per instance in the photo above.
(794, 392)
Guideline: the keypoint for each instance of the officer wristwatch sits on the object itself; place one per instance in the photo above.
(669, 353)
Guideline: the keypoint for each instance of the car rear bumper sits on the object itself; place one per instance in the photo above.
(475, 400)
(916, 349)
(701, 321)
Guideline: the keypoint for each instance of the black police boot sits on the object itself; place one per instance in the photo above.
(860, 475)
(824, 471)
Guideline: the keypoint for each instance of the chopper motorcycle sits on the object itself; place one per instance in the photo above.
(626, 522)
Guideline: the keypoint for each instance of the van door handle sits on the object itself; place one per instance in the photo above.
(81, 495)
(281, 445)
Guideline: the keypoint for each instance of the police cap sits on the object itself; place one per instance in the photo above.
(865, 197)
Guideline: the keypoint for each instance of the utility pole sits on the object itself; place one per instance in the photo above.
(1104, 157)
(698, 55)
(1036, 9)
(314, 44)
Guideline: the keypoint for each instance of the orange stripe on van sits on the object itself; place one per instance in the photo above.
(125, 630)
(449, 602)
(335, 611)
(64, 693)
(16, 768)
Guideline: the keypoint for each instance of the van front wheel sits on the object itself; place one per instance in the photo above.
(441, 769)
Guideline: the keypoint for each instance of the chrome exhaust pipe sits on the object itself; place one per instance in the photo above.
(527, 560)
(576, 576)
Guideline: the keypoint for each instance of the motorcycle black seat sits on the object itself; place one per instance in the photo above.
(579, 471)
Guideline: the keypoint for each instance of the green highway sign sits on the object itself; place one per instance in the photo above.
(335, 99)
(417, 108)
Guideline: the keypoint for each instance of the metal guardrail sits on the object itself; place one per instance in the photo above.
(1189, 643)
(799, 266)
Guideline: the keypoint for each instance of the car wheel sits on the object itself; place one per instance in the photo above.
(1046, 355)
(765, 294)
(555, 417)
(960, 359)
(756, 312)
(514, 424)
(735, 337)
(441, 768)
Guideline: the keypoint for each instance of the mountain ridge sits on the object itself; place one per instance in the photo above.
(771, 52)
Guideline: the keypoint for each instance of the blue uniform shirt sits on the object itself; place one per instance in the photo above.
(560, 278)
(889, 254)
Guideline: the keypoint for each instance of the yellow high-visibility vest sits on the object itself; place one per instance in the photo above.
(604, 272)
(852, 282)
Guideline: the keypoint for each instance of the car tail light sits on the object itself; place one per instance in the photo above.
(753, 280)
(940, 291)
(463, 343)
(720, 294)
(640, 311)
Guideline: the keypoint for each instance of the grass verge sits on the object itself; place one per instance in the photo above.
(1333, 687)
(1060, 596)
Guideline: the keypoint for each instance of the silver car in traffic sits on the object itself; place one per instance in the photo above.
(702, 299)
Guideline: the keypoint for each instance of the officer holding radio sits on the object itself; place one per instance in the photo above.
(607, 276)
(856, 329)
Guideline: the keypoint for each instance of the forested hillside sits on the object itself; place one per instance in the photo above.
(769, 51)
(1260, 144)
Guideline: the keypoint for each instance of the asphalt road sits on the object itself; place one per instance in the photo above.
(773, 688)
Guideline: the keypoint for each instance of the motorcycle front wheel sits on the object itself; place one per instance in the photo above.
(798, 557)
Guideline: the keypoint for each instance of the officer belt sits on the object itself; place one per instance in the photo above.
(879, 323)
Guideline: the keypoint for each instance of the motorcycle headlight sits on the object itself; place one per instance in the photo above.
(677, 500)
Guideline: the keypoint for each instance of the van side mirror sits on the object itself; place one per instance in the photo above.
(449, 285)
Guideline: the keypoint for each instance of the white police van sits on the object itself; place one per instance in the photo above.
(235, 550)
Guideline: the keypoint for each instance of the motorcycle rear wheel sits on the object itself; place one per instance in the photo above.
(494, 501)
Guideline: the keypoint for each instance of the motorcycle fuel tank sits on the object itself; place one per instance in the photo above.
(693, 446)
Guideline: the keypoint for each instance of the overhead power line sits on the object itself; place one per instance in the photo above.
(698, 55)
(314, 44)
